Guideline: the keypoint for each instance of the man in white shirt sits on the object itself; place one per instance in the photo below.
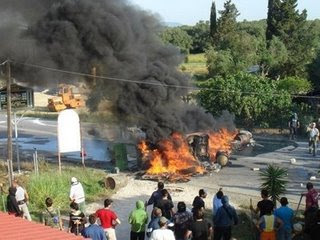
(163, 232)
(313, 138)
(77, 194)
(22, 199)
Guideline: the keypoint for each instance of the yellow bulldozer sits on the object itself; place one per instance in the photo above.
(65, 99)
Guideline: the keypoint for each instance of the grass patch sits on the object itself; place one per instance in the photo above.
(195, 65)
(244, 230)
(50, 183)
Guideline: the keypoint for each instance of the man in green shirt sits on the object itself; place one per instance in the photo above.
(138, 219)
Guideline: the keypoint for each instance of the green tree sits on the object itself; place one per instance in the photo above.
(240, 54)
(177, 37)
(272, 58)
(314, 72)
(200, 35)
(274, 180)
(226, 24)
(213, 20)
(290, 26)
(272, 19)
(253, 99)
(295, 85)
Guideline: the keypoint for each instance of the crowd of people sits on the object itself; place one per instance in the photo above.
(166, 223)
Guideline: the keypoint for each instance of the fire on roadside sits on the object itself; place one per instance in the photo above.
(173, 155)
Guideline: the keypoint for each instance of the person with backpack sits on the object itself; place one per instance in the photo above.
(77, 219)
(294, 124)
(156, 196)
(225, 218)
(166, 205)
(51, 216)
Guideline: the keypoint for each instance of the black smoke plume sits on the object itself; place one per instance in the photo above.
(120, 41)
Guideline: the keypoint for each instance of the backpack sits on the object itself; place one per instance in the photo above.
(55, 218)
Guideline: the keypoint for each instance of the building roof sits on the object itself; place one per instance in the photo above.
(16, 228)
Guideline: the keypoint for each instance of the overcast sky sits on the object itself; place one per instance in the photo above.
(191, 11)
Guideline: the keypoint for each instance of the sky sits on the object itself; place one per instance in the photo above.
(189, 12)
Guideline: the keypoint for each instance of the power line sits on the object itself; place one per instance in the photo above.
(152, 83)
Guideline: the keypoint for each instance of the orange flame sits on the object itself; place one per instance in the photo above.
(220, 141)
(173, 155)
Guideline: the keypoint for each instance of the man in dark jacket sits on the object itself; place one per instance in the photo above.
(226, 216)
(157, 196)
(12, 204)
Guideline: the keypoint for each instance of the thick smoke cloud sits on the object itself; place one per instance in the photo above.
(121, 42)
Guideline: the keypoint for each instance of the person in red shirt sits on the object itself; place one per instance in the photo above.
(311, 197)
(311, 206)
(108, 219)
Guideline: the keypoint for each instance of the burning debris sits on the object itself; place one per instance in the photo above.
(177, 158)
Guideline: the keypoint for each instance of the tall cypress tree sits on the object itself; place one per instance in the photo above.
(271, 20)
(213, 20)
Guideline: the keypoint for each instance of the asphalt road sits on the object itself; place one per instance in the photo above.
(42, 135)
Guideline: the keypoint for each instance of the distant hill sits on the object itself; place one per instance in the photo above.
(172, 24)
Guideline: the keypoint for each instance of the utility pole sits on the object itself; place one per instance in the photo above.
(9, 125)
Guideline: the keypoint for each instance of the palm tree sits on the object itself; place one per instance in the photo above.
(274, 180)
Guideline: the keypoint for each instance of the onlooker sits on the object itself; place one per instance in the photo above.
(12, 204)
(181, 219)
(198, 203)
(76, 219)
(138, 219)
(77, 193)
(154, 223)
(263, 205)
(268, 224)
(311, 206)
(315, 227)
(294, 124)
(157, 196)
(22, 199)
(286, 215)
(313, 138)
(108, 219)
(51, 216)
(93, 231)
(199, 229)
(163, 232)
(311, 197)
(216, 202)
(165, 205)
(225, 218)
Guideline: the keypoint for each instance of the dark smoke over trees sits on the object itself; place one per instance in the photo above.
(118, 39)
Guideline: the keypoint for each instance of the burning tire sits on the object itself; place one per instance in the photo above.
(222, 158)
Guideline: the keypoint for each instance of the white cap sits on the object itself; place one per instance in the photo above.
(74, 180)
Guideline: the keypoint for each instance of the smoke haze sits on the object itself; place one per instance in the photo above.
(118, 39)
